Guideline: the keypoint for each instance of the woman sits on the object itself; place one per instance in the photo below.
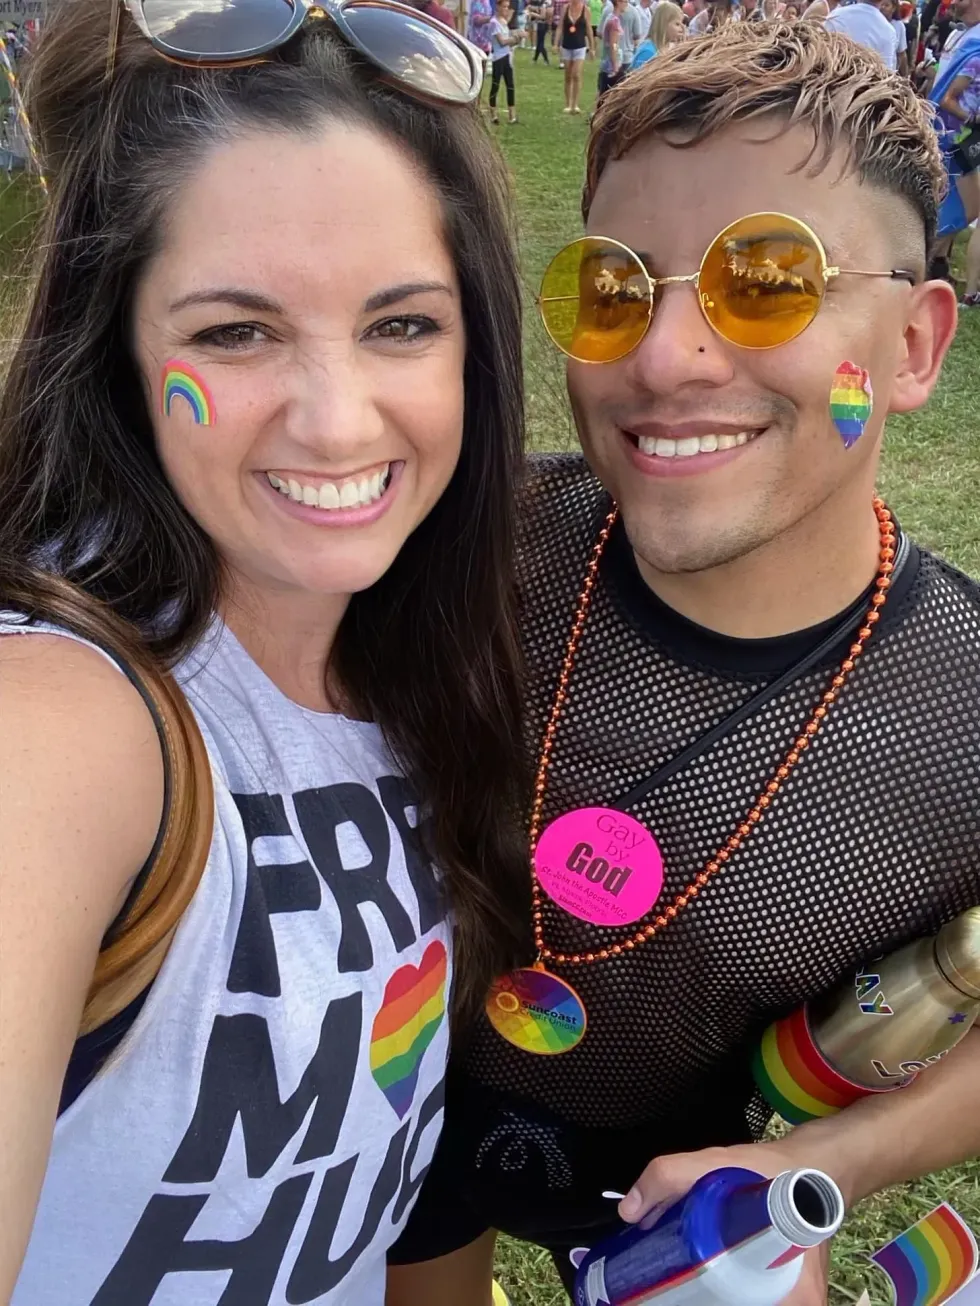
(611, 67)
(577, 41)
(263, 428)
(666, 29)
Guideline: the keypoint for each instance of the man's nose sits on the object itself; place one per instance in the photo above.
(680, 347)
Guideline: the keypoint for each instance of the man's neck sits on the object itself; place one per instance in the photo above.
(803, 577)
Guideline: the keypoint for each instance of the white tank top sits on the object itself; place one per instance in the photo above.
(261, 1132)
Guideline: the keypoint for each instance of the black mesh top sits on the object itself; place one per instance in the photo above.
(873, 841)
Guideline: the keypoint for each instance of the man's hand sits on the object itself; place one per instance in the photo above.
(668, 1177)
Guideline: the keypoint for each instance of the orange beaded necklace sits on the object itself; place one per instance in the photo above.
(886, 566)
(536, 1010)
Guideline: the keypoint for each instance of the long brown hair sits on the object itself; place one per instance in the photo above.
(93, 536)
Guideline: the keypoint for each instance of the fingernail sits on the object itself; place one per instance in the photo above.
(631, 1203)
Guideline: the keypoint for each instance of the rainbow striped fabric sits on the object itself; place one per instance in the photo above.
(851, 402)
(932, 1261)
(793, 1076)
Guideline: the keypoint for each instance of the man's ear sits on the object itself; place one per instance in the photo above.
(929, 331)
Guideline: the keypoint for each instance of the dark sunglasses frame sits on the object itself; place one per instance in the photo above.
(303, 10)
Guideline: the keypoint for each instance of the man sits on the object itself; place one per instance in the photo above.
(866, 23)
(889, 10)
(956, 94)
(681, 654)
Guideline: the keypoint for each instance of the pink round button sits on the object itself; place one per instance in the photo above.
(600, 865)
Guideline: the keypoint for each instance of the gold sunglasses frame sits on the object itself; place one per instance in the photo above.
(828, 270)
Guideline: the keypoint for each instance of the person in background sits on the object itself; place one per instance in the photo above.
(770, 10)
(910, 16)
(478, 24)
(791, 13)
(818, 11)
(502, 39)
(557, 11)
(866, 23)
(644, 13)
(956, 93)
(577, 41)
(712, 19)
(540, 15)
(611, 69)
(889, 9)
(666, 29)
(433, 9)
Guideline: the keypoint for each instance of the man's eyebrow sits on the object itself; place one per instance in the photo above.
(249, 300)
(394, 294)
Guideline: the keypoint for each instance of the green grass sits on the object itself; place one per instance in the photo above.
(931, 477)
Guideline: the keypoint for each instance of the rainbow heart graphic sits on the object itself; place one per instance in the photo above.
(410, 1014)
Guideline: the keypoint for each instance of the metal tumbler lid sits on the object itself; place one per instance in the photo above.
(958, 952)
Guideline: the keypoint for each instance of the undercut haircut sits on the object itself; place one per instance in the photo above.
(856, 109)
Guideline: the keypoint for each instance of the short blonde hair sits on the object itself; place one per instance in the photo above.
(812, 77)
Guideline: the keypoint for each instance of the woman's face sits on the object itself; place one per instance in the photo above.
(675, 28)
(305, 298)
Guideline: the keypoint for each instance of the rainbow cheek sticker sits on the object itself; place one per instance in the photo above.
(851, 402)
(180, 380)
(536, 1012)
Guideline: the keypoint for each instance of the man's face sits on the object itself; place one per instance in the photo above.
(687, 513)
(967, 11)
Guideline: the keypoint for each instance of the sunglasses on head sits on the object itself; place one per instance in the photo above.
(415, 52)
(760, 284)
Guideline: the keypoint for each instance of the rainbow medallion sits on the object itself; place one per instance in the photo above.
(794, 1077)
(851, 402)
(180, 380)
(411, 1012)
(536, 1012)
(930, 1262)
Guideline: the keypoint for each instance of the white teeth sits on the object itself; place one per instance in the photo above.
(330, 495)
(691, 444)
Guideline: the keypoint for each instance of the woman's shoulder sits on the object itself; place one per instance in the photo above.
(79, 747)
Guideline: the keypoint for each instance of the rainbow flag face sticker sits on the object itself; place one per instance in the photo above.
(180, 380)
(930, 1262)
(851, 402)
(411, 1013)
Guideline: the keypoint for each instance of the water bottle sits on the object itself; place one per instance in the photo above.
(877, 1029)
(736, 1239)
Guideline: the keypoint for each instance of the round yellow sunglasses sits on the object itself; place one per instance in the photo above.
(760, 284)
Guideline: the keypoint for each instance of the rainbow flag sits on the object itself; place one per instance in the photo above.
(932, 1261)
(851, 402)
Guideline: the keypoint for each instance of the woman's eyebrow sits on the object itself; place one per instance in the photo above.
(249, 300)
(394, 294)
